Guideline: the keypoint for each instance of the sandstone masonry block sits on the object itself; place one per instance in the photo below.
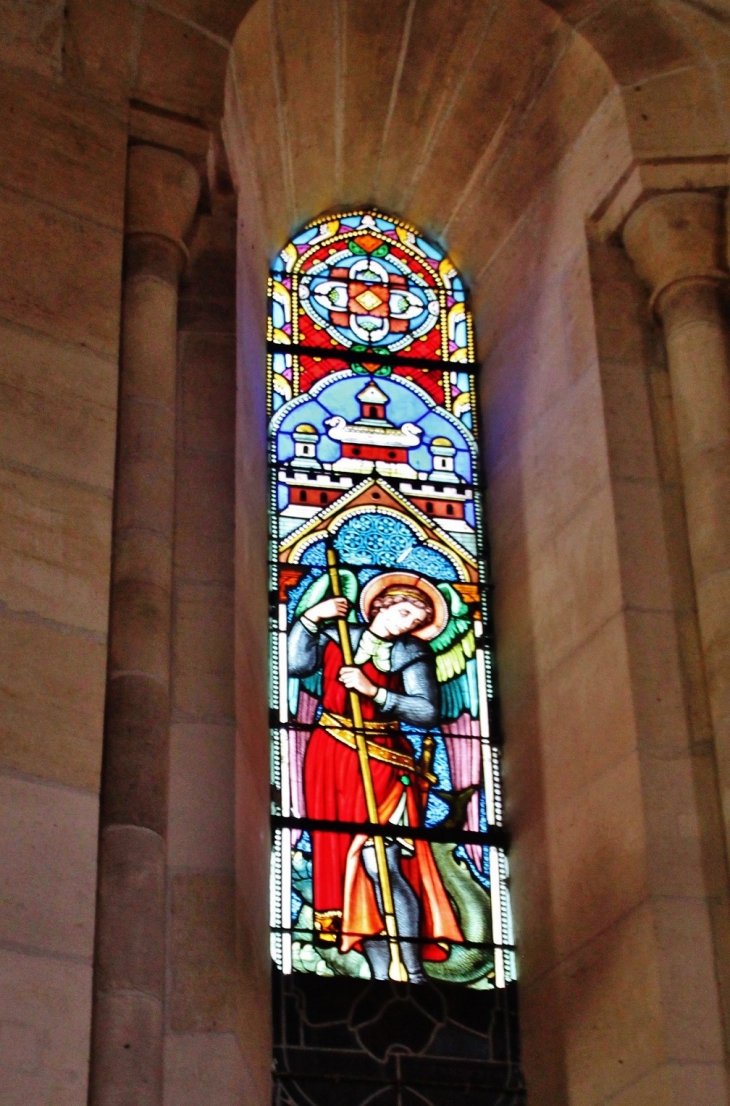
(220, 19)
(130, 948)
(74, 152)
(75, 294)
(49, 861)
(100, 46)
(680, 112)
(203, 652)
(45, 1009)
(179, 68)
(208, 392)
(617, 971)
(597, 849)
(202, 954)
(131, 1025)
(575, 582)
(207, 1067)
(55, 549)
(51, 701)
(204, 539)
(57, 407)
(31, 35)
(202, 777)
(586, 716)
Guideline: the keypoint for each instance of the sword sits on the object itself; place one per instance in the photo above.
(397, 970)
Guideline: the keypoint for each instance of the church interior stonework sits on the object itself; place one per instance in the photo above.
(572, 157)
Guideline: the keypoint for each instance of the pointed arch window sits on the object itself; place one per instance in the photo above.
(389, 870)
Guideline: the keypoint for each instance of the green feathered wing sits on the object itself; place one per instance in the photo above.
(456, 667)
(456, 672)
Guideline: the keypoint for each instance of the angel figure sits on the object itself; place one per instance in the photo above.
(394, 675)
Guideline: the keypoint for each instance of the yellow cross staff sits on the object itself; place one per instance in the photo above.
(397, 970)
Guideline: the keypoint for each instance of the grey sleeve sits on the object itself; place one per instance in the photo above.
(304, 650)
(419, 704)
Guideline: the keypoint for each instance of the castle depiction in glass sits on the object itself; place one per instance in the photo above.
(372, 446)
(388, 859)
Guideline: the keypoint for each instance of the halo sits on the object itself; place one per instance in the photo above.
(379, 584)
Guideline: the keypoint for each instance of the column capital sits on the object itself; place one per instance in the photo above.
(676, 239)
(162, 194)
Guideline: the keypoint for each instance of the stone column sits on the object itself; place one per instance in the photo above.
(126, 1069)
(676, 241)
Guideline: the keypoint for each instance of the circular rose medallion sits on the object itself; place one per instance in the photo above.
(366, 300)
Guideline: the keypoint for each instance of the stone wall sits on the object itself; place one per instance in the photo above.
(609, 774)
(502, 129)
(61, 218)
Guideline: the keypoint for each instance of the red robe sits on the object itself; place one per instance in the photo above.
(334, 791)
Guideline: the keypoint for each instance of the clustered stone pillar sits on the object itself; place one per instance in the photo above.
(676, 241)
(162, 194)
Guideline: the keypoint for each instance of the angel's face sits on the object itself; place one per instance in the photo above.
(402, 617)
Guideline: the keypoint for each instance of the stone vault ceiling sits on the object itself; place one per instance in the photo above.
(425, 106)
(444, 111)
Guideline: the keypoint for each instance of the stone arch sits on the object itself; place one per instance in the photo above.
(668, 55)
(435, 108)
(527, 179)
(508, 186)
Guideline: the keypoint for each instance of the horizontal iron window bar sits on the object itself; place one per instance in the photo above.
(407, 1081)
(483, 588)
(299, 932)
(340, 1052)
(275, 724)
(494, 738)
(356, 357)
(310, 727)
(495, 835)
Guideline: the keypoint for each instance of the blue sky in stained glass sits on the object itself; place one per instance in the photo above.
(338, 396)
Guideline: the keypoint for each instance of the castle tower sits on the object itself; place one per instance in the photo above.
(373, 444)
(311, 484)
(443, 453)
(305, 447)
(372, 403)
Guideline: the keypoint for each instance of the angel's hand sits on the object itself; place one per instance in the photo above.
(356, 680)
(328, 608)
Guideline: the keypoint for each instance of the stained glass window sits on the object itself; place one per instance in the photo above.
(389, 861)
